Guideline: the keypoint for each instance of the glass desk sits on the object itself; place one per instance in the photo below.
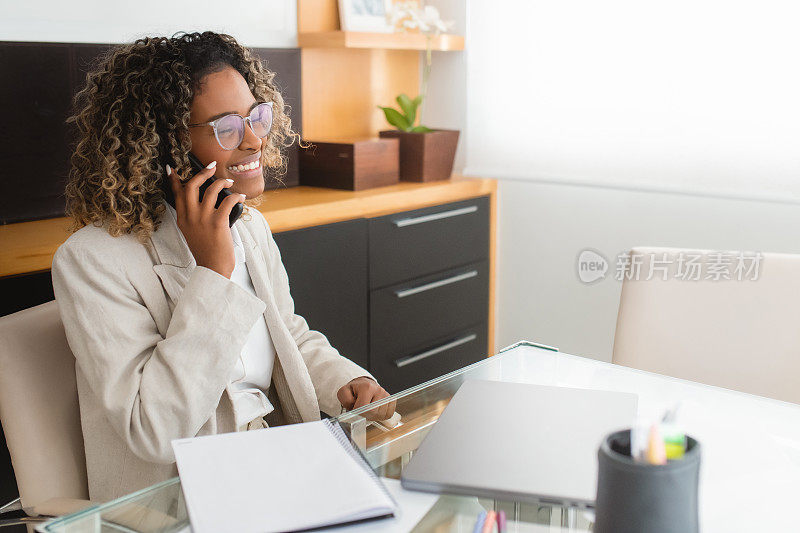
(161, 508)
(749, 474)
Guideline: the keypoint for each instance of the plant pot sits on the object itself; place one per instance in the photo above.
(425, 156)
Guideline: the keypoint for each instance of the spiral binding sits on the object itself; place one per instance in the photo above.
(338, 433)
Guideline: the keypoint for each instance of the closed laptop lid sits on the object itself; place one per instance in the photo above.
(519, 442)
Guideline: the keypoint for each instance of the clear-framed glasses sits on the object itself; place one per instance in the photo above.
(229, 130)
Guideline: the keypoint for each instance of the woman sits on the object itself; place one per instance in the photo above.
(180, 324)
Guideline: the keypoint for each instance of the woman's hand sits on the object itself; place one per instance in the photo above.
(360, 392)
(205, 227)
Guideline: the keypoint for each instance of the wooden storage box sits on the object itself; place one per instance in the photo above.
(355, 165)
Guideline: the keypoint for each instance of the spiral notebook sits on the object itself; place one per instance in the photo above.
(286, 478)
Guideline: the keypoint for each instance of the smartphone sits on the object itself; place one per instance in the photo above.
(197, 166)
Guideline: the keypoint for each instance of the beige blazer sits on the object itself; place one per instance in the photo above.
(155, 338)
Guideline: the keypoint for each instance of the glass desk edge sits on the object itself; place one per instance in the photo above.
(356, 413)
(66, 520)
(54, 525)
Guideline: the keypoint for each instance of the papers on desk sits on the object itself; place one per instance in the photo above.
(285, 478)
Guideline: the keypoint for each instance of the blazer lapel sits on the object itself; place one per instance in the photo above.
(291, 379)
(176, 260)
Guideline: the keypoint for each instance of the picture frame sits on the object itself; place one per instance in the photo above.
(365, 15)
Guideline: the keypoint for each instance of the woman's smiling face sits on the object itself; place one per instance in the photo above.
(222, 93)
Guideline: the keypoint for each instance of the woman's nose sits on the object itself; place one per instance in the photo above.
(251, 141)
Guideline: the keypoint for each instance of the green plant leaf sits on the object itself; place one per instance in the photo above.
(394, 118)
(417, 101)
(421, 129)
(409, 108)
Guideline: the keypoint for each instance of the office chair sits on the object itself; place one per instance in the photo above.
(39, 413)
(742, 335)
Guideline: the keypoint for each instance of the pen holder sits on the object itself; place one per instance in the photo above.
(634, 497)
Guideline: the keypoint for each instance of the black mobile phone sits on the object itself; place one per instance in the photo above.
(197, 166)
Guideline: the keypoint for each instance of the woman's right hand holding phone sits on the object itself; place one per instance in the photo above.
(206, 228)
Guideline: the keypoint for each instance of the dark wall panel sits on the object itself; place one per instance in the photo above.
(35, 94)
(285, 63)
(37, 85)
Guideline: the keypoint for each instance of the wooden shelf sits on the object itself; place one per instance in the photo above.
(390, 41)
(29, 246)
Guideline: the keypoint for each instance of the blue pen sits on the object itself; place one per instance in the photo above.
(479, 523)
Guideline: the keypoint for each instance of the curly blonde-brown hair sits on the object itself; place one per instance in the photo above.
(133, 115)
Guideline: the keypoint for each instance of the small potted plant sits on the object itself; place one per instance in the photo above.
(425, 154)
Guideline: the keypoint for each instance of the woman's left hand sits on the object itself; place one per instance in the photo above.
(361, 391)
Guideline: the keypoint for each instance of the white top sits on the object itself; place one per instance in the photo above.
(250, 378)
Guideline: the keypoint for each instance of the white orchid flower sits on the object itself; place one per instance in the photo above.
(431, 18)
(426, 18)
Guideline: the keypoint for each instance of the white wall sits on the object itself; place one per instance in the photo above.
(447, 92)
(272, 23)
(544, 226)
(688, 95)
(622, 123)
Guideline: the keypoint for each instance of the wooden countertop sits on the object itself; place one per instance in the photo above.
(29, 246)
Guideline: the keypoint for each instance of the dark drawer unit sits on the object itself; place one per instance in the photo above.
(397, 371)
(429, 281)
(327, 269)
(408, 314)
(420, 242)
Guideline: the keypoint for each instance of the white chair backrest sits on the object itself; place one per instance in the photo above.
(738, 334)
(39, 406)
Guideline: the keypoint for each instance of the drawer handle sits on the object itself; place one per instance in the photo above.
(436, 216)
(442, 282)
(433, 351)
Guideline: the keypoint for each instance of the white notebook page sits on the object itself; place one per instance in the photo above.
(276, 479)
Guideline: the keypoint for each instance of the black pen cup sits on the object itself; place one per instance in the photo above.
(633, 497)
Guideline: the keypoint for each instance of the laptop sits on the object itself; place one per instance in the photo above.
(519, 442)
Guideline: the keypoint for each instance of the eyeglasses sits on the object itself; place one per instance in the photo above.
(229, 130)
